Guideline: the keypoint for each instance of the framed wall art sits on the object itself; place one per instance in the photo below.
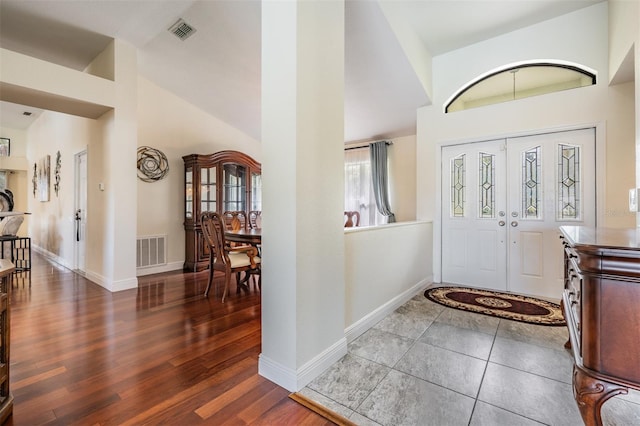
(44, 179)
(34, 180)
(56, 173)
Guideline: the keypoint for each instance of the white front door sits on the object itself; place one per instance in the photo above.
(552, 183)
(502, 204)
(473, 223)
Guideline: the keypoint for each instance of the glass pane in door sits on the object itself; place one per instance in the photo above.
(486, 190)
(458, 179)
(568, 194)
(531, 183)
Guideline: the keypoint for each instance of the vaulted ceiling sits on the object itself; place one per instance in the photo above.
(218, 68)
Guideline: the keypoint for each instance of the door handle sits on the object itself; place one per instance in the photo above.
(514, 224)
(78, 219)
(502, 223)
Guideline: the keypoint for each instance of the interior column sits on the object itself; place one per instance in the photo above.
(303, 289)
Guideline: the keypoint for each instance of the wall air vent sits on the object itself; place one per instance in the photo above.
(182, 30)
(151, 250)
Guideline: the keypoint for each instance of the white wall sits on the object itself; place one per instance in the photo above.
(579, 37)
(624, 31)
(620, 154)
(52, 224)
(384, 266)
(402, 182)
(177, 128)
(624, 44)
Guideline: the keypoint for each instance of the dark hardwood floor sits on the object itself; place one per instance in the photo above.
(159, 354)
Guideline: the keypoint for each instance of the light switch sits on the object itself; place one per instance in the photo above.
(101, 186)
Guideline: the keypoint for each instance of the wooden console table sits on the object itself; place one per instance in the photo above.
(601, 303)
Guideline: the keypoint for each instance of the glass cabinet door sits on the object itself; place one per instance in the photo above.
(208, 189)
(234, 187)
(188, 193)
(256, 192)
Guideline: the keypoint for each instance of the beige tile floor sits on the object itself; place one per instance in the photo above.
(426, 364)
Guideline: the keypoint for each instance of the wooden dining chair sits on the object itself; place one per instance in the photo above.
(351, 216)
(255, 219)
(235, 220)
(225, 258)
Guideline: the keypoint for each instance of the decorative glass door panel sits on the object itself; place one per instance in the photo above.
(569, 179)
(487, 185)
(458, 185)
(531, 183)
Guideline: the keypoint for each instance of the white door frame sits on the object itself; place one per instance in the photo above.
(76, 206)
(601, 161)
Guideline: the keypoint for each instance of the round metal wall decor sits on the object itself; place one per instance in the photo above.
(152, 164)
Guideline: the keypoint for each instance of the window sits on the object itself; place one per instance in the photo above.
(520, 80)
(358, 191)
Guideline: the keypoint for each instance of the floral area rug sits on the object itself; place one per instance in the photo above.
(497, 304)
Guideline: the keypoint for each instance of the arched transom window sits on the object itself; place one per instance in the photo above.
(518, 81)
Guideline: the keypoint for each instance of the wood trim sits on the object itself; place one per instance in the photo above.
(322, 410)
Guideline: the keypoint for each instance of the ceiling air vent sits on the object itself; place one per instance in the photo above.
(182, 30)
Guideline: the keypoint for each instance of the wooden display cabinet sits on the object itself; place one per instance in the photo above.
(224, 181)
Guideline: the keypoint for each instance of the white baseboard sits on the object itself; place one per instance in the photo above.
(51, 256)
(294, 380)
(112, 286)
(173, 266)
(125, 284)
(365, 323)
(97, 278)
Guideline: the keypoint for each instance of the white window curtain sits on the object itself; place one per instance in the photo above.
(358, 188)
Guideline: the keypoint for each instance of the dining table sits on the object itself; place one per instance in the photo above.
(245, 236)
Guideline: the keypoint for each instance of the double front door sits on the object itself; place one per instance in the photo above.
(502, 203)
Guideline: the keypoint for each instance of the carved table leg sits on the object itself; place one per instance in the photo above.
(591, 393)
